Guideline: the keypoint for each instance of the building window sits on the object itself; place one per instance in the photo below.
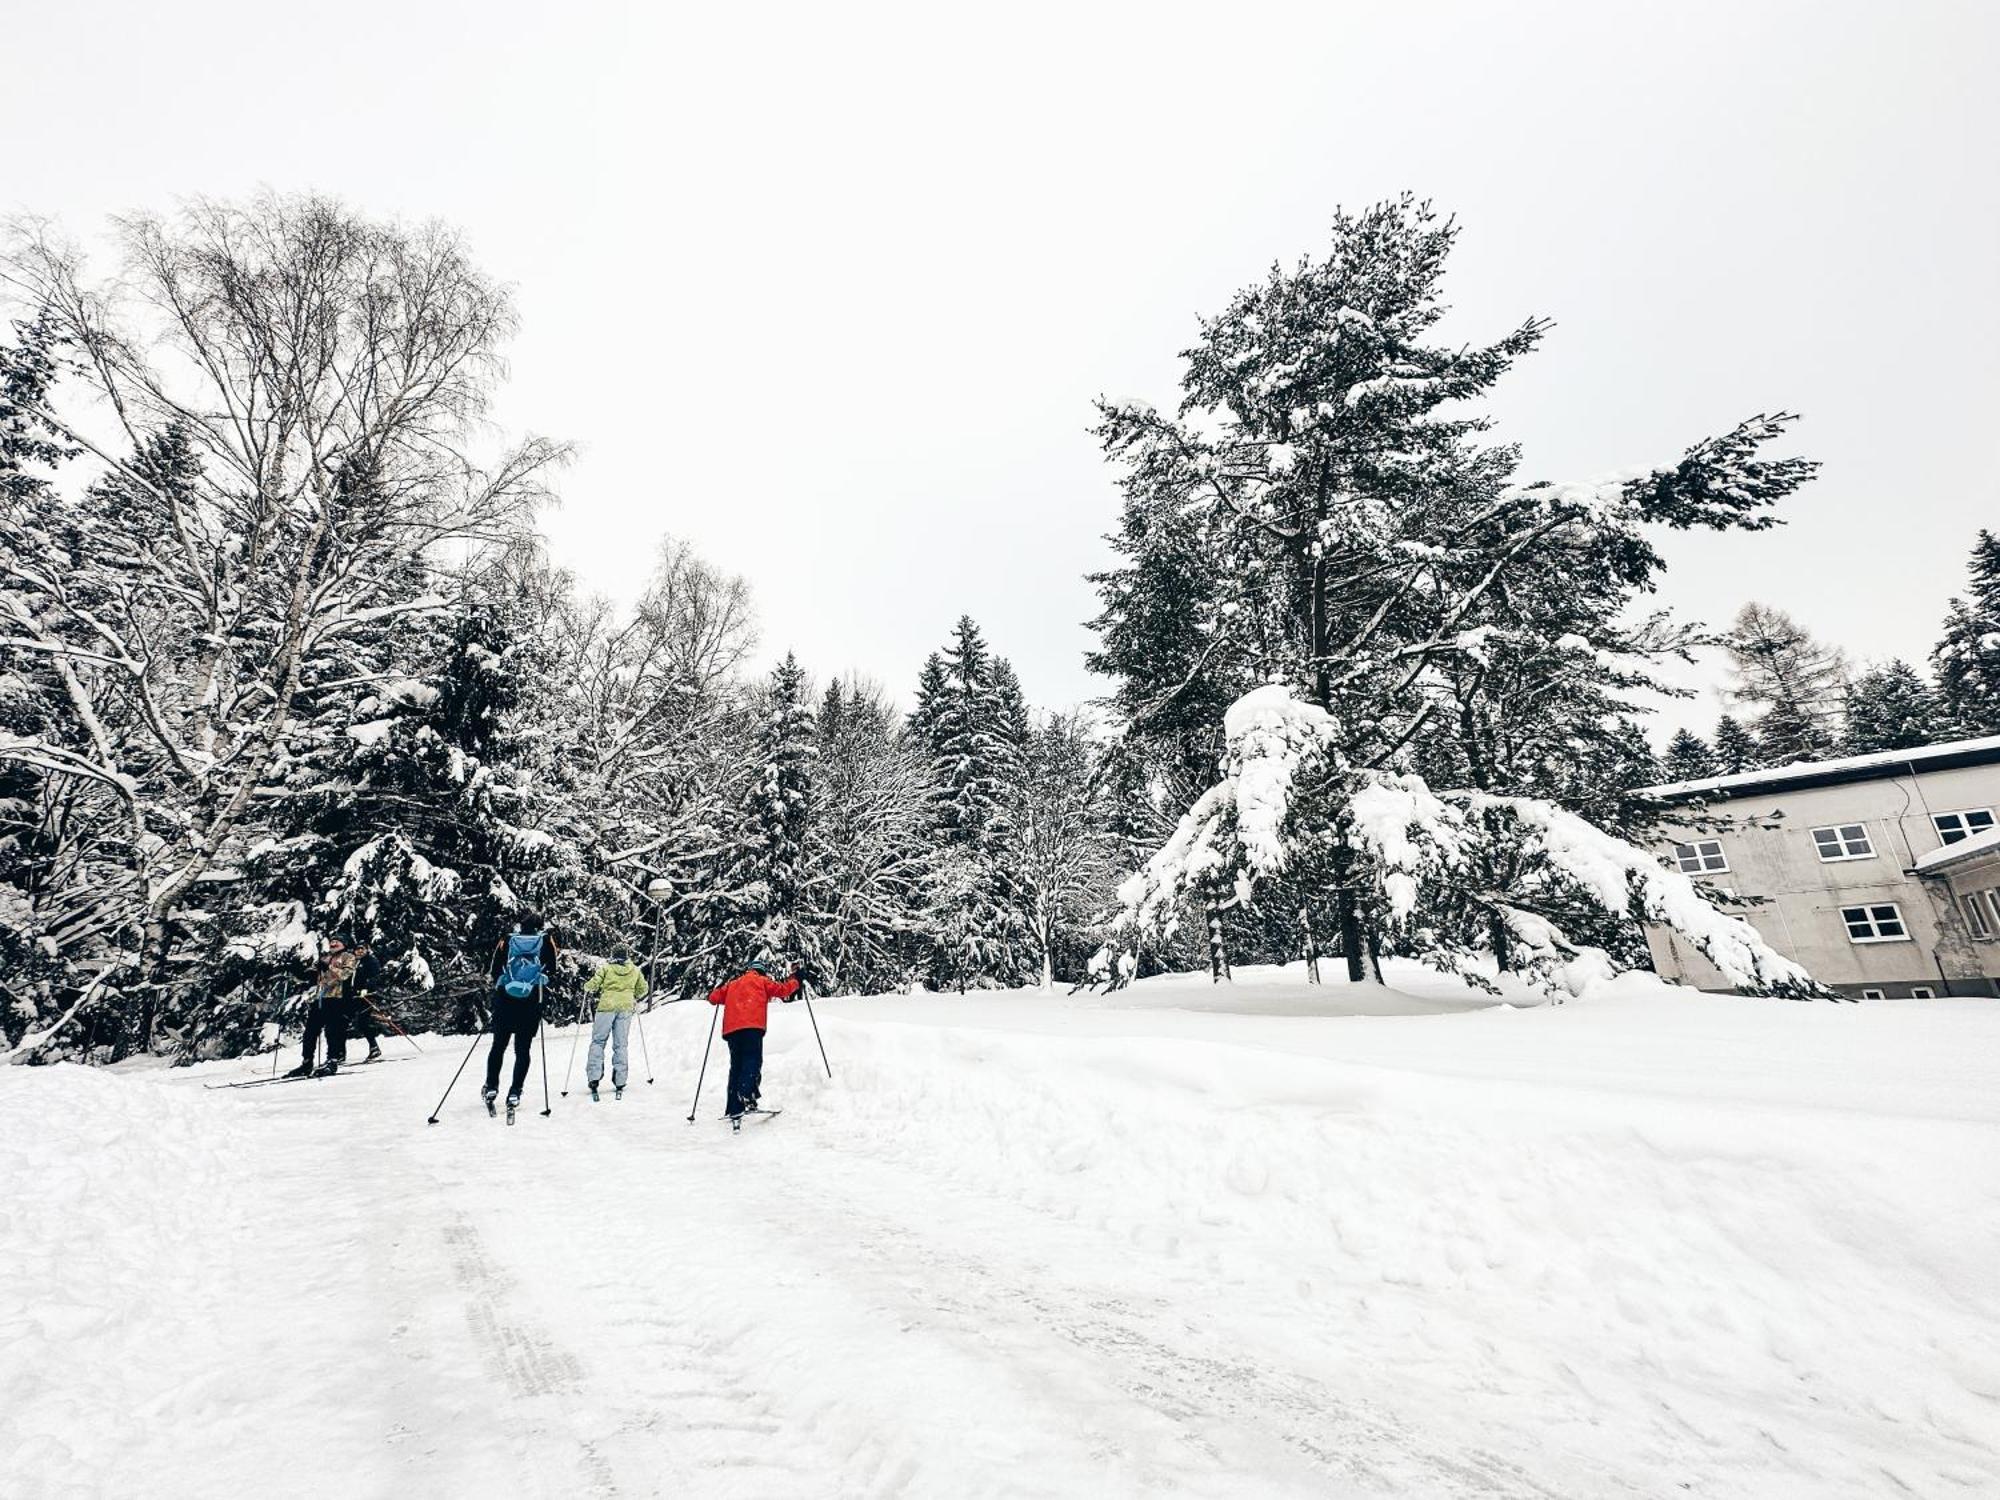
(1881, 923)
(1874, 994)
(1842, 841)
(1953, 826)
(1702, 857)
(1975, 913)
(1922, 992)
(1993, 901)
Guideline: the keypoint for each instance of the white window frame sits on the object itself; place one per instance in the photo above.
(1872, 918)
(1841, 841)
(1963, 828)
(1701, 851)
(1975, 912)
(1874, 994)
(1923, 992)
(1993, 900)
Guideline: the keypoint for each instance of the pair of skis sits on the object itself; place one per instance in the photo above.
(736, 1121)
(345, 1069)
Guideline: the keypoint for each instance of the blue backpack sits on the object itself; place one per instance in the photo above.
(523, 974)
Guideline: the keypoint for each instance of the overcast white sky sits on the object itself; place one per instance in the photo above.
(828, 289)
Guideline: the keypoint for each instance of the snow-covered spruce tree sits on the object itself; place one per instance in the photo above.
(187, 624)
(1288, 793)
(786, 751)
(973, 723)
(1967, 658)
(1892, 708)
(755, 912)
(868, 847)
(1688, 757)
(1320, 513)
(1796, 683)
(54, 829)
(1735, 748)
(428, 818)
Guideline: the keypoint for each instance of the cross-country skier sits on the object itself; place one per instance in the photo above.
(746, 1002)
(366, 1018)
(522, 964)
(327, 1012)
(619, 987)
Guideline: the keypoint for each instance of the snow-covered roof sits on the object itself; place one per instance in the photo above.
(1803, 773)
(1967, 848)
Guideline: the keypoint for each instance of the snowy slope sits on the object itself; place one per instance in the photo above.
(1655, 1243)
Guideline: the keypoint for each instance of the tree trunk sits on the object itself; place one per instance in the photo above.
(1218, 955)
(1350, 935)
(1311, 945)
(1502, 941)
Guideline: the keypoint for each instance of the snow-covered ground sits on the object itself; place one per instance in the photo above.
(1265, 1241)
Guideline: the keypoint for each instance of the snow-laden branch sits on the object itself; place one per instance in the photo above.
(1425, 849)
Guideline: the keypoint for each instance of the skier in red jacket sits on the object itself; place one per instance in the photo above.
(746, 1001)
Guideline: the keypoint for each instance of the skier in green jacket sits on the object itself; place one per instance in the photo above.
(619, 987)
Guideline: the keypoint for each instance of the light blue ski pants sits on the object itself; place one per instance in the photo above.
(613, 1026)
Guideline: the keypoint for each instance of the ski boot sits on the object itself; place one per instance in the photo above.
(328, 1068)
(513, 1103)
(593, 1094)
(489, 1095)
(618, 1091)
(303, 1070)
(374, 1051)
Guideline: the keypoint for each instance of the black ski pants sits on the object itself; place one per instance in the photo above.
(516, 1020)
(327, 1014)
(363, 1024)
(746, 1067)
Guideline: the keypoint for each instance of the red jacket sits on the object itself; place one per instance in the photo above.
(746, 998)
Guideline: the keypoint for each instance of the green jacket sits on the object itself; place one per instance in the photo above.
(617, 987)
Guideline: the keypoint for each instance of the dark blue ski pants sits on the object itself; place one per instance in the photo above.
(746, 1068)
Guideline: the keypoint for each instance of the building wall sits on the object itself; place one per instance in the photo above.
(1767, 839)
(1977, 882)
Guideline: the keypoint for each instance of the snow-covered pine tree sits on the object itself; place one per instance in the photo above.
(1688, 757)
(1892, 708)
(971, 723)
(429, 821)
(869, 843)
(1288, 794)
(1735, 748)
(1796, 682)
(1967, 657)
(752, 908)
(786, 751)
(1321, 513)
(49, 822)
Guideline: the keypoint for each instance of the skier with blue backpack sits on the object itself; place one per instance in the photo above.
(523, 963)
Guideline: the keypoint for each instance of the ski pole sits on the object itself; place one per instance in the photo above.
(639, 1021)
(570, 1067)
(477, 1038)
(816, 1036)
(541, 997)
(713, 1021)
(390, 1021)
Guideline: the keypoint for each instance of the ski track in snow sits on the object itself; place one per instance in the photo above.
(1025, 1249)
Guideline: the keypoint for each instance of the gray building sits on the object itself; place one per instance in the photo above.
(1880, 874)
